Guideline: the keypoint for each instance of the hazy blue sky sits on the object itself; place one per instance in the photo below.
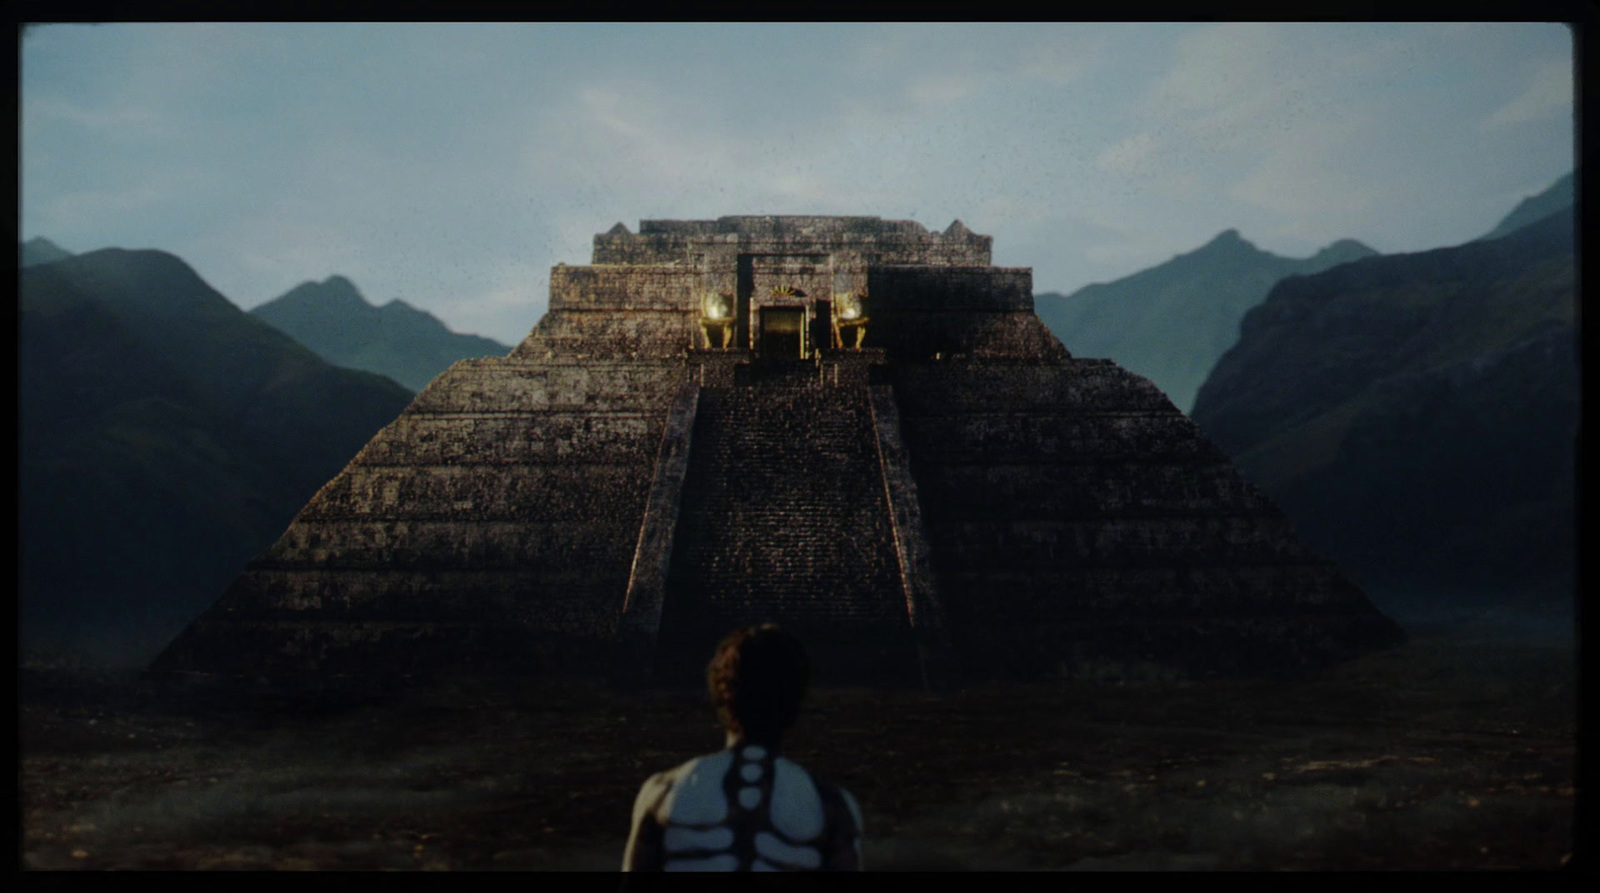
(452, 165)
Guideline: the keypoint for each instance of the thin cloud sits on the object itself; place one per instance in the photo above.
(943, 89)
(1130, 157)
(74, 206)
(452, 165)
(1549, 96)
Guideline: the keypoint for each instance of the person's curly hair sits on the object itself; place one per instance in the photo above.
(757, 679)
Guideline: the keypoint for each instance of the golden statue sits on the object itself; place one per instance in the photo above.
(717, 315)
(849, 313)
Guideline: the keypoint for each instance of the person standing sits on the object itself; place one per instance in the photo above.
(747, 807)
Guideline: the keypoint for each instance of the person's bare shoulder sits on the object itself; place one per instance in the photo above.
(653, 793)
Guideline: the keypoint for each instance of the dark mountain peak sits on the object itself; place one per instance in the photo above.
(1343, 245)
(334, 296)
(1171, 322)
(1341, 252)
(1413, 414)
(335, 321)
(1558, 197)
(398, 311)
(39, 250)
(146, 259)
(398, 306)
(1226, 247)
(148, 280)
(1228, 244)
(168, 435)
(1229, 238)
(339, 286)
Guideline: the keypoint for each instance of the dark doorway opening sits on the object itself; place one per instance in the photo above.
(781, 333)
(822, 326)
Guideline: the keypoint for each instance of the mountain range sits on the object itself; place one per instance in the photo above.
(1171, 322)
(409, 345)
(1413, 414)
(166, 437)
(39, 250)
(1416, 416)
(1559, 196)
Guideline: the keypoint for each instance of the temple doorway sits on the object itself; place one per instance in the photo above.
(782, 333)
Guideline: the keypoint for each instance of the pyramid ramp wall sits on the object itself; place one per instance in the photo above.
(1081, 524)
(491, 525)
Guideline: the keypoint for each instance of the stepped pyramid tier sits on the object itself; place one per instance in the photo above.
(855, 427)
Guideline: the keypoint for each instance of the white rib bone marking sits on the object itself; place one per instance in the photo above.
(750, 772)
(770, 846)
(680, 839)
(719, 862)
(763, 865)
(796, 806)
(749, 798)
(697, 798)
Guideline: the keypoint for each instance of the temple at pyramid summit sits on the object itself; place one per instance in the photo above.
(855, 427)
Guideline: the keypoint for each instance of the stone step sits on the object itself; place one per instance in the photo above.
(784, 518)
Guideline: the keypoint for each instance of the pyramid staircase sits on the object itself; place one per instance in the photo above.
(784, 518)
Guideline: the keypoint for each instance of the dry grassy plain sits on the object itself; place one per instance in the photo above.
(1454, 752)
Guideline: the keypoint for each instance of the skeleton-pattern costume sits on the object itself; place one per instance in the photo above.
(743, 809)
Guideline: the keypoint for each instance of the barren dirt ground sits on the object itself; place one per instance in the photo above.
(1450, 753)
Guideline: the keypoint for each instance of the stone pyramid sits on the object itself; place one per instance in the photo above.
(852, 426)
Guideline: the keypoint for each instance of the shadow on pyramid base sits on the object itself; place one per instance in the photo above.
(841, 657)
(236, 664)
(240, 664)
(1174, 649)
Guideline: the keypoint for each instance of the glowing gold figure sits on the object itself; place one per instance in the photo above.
(849, 313)
(717, 310)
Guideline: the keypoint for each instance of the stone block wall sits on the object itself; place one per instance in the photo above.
(1078, 520)
(922, 312)
(614, 288)
(609, 335)
(611, 313)
(495, 520)
(878, 241)
(970, 289)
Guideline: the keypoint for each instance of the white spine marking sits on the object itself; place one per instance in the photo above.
(697, 798)
(803, 856)
(796, 808)
(719, 862)
(754, 752)
(681, 839)
(749, 798)
(750, 772)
